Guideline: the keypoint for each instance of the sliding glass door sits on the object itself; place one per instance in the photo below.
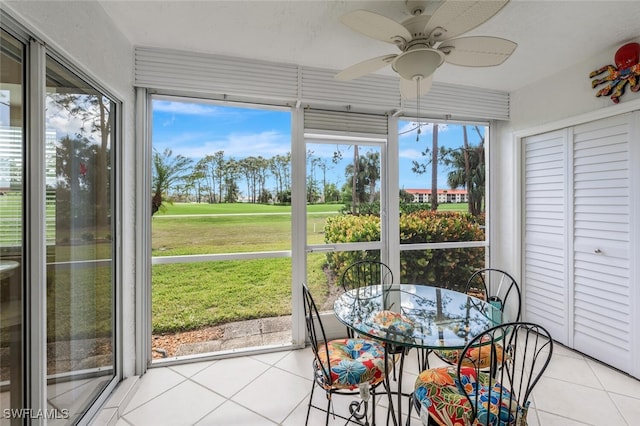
(12, 151)
(343, 208)
(79, 122)
(57, 238)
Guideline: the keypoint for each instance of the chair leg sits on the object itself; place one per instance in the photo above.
(373, 408)
(408, 423)
(366, 413)
(355, 415)
(313, 387)
(328, 410)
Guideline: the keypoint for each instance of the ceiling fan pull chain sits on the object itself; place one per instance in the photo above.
(418, 101)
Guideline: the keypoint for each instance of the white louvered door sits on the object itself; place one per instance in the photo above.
(601, 241)
(546, 293)
(579, 275)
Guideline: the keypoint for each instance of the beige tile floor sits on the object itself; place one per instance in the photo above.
(273, 389)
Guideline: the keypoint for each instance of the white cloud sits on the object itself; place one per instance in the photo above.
(169, 122)
(66, 123)
(237, 145)
(266, 144)
(410, 153)
(186, 108)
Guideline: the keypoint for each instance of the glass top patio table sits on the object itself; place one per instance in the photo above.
(416, 315)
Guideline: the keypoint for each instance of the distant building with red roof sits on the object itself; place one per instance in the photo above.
(444, 195)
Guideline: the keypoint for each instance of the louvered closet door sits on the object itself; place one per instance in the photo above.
(601, 242)
(546, 292)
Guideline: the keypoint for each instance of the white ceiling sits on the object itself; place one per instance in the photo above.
(551, 35)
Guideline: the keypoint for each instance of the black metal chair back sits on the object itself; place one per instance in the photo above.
(528, 350)
(497, 287)
(317, 336)
(364, 273)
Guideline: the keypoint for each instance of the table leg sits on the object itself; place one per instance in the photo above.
(400, 371)
(387, 383)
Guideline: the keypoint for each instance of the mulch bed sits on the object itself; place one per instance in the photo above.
(166, 345)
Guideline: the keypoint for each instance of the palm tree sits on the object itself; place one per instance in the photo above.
(354, 180)
(167, 170)
(468, 171)
(434, 169)
(371, 171)
(421, 168)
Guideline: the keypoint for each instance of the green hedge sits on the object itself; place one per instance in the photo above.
(443, 267)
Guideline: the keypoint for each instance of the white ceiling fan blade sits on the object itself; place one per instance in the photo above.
(477, 51)
(459, 16)
(409, 88)
(375, 26)
(364, 67)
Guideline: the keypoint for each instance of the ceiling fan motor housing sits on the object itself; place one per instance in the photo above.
(418, 63)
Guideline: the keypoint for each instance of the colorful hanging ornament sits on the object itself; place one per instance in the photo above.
(626, 71)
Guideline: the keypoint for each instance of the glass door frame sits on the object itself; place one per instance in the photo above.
(34, 268)
(388, 208)
(351, 140)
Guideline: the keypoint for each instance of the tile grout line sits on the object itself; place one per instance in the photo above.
(606, 391)
(156, 396)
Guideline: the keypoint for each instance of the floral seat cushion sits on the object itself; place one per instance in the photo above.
(353, 361)
(477, 356)
(398, 327)
(438, 391)
(394, 321)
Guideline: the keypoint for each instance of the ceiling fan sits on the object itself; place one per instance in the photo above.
(426, 41)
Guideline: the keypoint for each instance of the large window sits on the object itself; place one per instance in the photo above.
(221, 227)
(442, 201)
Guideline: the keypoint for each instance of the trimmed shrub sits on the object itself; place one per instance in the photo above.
(446, 267)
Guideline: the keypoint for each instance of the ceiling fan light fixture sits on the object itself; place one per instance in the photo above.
(418, 63)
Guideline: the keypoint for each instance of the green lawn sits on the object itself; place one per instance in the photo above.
(238, 208)
(192, 295)
(220, 234)
(453, 207)
(189, 296)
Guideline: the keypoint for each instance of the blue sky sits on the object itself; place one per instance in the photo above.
(198, 129)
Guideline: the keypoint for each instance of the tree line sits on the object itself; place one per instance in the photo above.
(218, 179)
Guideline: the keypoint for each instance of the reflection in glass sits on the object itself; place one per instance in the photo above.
(80, 227)
(448, 268)
(11, 224)
(420, 316)
(324, 273)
